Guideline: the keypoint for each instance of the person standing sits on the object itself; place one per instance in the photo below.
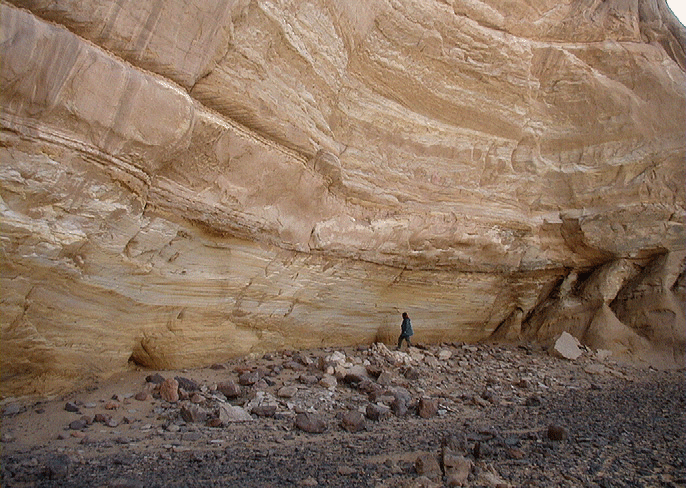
(405, 331)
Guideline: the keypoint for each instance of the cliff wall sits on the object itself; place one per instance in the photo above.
(186, 181)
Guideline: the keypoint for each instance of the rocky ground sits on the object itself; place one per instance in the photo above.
(445, 415)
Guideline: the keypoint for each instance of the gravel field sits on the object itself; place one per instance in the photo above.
(441, 415)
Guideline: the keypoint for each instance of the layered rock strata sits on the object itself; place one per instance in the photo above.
(183, 182)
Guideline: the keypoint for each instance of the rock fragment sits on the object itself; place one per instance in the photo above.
(427, 465)
(457, 468)
(169, 390)
(353, 421)
(229, 389)
(311, 423)
(557, 433)
(287, 391)
(249, 378)
(232, 414)
(376, 412)
(72, 407)
(428, 407)
(567, 347)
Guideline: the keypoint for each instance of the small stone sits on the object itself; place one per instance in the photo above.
(156, 379)
(249, 378)
(229, 389)
(311, 423)
(308, 379)
(355, 375)
(11, 409)
(169, 390)
(385, 379)
(353, 421)
(142, 396)
(377, 412)
(101, 418)
(444, 354)
(427, 465)
(328, 381)
(217, 366)
(197, 398)
(428, 407)
(401, 401)
(346, 470)
(111, 406)
(567, 347)
(78, 424)
(309, 482)
(112, 423)
(287, 391)
(193, 413)
(457, 468)
(214, 422)
(557, 433)
(230, 414)
(72, 407)
(187, 384)
(264, 410)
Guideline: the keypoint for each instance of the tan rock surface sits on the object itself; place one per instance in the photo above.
(183, 182)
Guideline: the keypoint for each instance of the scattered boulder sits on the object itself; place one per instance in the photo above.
(142, 396)
(287, 391)
(328, 381)
(194, 413)
(427, 465)
(401, 401)
(231, 414)
(311, 423)
(249, 378)
(353, 421)
(156, 379)
(376, 412)
(169, 390)
(187, 384)
(457, 468)
(428, 407)
(79, 424)
(264, 410)
(567, 347)
(229, 389)
(557, 433)
(72, 407)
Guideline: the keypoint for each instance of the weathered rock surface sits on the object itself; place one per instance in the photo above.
(182, 182)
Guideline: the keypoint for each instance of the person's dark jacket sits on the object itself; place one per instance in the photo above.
(406, 327)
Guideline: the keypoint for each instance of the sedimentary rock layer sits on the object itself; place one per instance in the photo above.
(186, 181)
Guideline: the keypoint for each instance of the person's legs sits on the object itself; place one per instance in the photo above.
(400, 342)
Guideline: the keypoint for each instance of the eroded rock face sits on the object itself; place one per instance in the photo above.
(187, 181)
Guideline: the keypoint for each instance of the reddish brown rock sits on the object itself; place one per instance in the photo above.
(169, 390)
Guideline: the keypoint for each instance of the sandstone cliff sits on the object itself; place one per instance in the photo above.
(185, 181)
